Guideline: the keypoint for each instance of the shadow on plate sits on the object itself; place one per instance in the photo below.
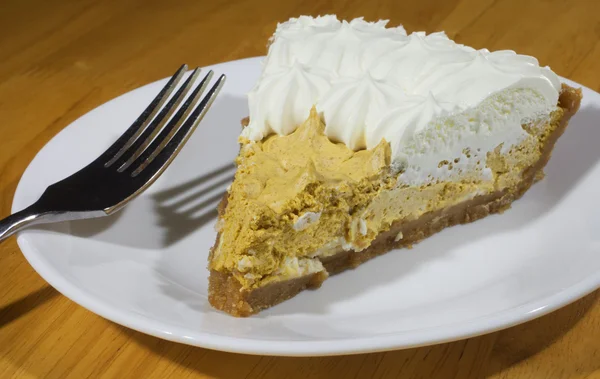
(182, 217)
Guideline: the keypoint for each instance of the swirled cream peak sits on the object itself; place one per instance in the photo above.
(369, 82)
(355, 103)
(284, 94)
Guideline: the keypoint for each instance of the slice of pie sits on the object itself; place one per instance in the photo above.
(362, 139)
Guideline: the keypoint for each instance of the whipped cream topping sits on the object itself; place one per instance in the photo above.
(426, 95)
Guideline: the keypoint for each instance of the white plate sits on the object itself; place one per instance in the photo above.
(145, 268)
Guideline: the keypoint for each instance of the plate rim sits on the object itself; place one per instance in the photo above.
(330, 346)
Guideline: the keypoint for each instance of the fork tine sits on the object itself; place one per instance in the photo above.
(174, 124)
(136, 149)
(126, 139)
(160, 159)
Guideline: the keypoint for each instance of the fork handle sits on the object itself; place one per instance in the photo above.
(17, 221)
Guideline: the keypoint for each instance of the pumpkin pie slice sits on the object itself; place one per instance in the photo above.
(363, 139)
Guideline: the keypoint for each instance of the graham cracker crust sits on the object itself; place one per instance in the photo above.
(226, 294)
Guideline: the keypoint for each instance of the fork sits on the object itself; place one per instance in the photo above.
(131, 164)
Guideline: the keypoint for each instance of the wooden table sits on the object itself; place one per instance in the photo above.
(60, 59)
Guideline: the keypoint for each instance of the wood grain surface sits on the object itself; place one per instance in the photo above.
(60, 59)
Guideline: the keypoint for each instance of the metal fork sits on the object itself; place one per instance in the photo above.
(131, 164)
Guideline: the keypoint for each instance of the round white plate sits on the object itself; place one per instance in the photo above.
(145, 267)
